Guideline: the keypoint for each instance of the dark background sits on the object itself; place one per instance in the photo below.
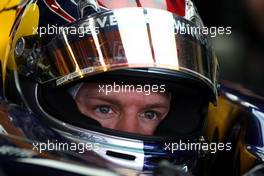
(241, 54)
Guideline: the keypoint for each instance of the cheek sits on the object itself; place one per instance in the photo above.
(81, 107)
(111, 124)
(148, 128)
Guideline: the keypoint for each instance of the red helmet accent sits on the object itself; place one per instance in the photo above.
(174, 6)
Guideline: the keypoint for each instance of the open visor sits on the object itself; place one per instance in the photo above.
(125, 38)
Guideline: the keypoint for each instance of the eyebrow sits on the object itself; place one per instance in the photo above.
(103, 98)
(110, 100)
(156, 105)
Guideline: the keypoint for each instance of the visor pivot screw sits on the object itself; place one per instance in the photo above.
(20, 47)
(26, 54)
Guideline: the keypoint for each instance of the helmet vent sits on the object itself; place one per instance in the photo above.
(120, 155)
(87, 7)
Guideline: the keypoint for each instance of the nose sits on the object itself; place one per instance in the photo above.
(128, 123)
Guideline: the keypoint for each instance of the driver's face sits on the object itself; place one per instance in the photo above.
(132, 112)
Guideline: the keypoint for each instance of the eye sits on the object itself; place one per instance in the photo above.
(149, 115)
(104, 110)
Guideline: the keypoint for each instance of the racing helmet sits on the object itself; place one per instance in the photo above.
(56, 45)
